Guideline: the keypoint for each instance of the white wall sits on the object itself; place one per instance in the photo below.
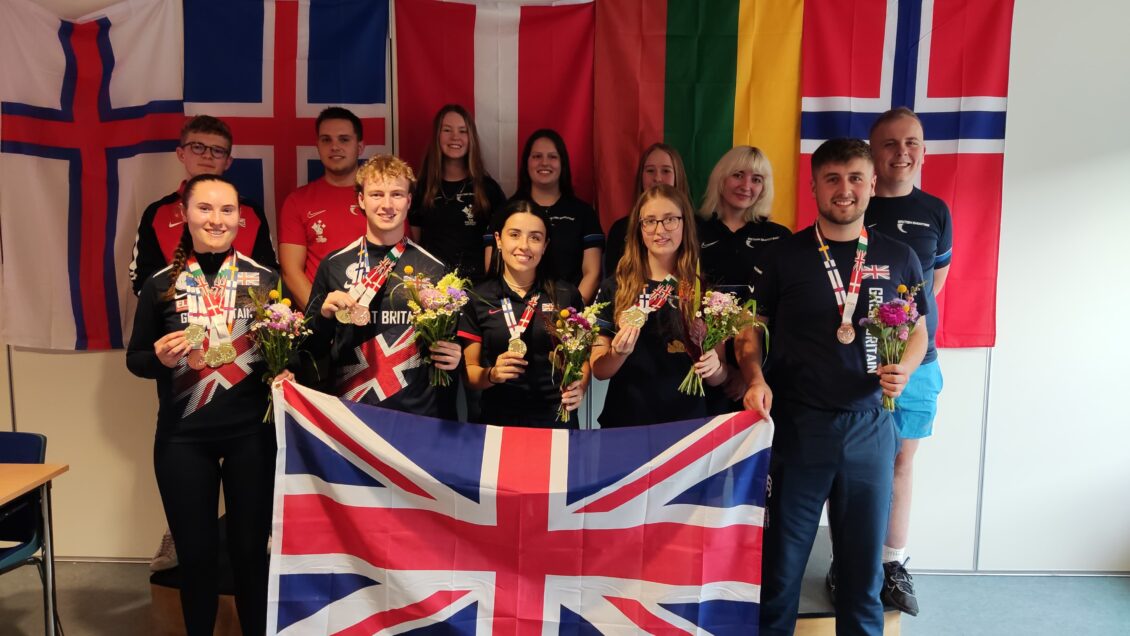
(1057, 457)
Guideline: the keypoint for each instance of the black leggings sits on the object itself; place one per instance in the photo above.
(189, 476)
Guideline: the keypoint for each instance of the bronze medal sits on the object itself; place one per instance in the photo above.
(196, 359)
(213, 358)
(633, 316)
(845, 334)
(344, 316)
(517, 346)
(194, 335)
(360, 315)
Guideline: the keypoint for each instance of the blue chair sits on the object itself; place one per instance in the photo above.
(21, 520)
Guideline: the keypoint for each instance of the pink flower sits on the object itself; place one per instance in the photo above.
(904, 333)
(892, 314)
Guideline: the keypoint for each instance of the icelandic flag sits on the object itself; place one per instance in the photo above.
(90, 113)
(393, 523)
(268, 67)
(516, 66)
(947, 60)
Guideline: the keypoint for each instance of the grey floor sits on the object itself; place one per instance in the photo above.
(112, 599)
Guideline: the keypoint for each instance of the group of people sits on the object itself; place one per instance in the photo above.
(346, 237)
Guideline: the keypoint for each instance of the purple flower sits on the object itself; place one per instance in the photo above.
(904, 333)
(892, 314)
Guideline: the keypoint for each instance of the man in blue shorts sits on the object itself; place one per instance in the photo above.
(902, 211)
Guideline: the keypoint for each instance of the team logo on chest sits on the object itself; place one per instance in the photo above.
(380, 367)
(318, 227)
(877, 272)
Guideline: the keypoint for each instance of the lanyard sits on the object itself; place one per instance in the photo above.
(212, 306)
(846, 301)
(368, 282)
(518, 327)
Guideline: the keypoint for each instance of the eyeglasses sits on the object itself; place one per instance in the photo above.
(669, 223)
(197, 148)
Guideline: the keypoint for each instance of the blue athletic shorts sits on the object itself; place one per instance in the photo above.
(918, 404)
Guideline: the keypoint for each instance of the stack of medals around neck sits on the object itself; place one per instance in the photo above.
(846, 300)
(636, 315)
(518, 327)
(211, 312)
(367, 283)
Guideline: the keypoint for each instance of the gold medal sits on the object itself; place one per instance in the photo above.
(194, 335)
(196, 359)
(633, 316)
(213, 358)
(228, 354)
(845, 334)
(344, 316)
(360, 315)
(517, 346)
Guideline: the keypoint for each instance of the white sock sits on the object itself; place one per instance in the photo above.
(893, 554)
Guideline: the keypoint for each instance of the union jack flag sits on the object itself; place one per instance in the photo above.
(878, 272)
(391, 523)
(948, 61)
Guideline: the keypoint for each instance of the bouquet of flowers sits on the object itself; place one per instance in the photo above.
(718, 317)
(891, 324)
(435, 308)
(574, 332)
(277, 331)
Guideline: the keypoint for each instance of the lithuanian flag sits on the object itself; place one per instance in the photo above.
(702, 76)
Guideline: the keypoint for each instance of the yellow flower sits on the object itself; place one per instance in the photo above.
(286, 301)
(560, 324)
(408, 270)
(902, 289)
(906, 308)
(564, 313)
(273, 294)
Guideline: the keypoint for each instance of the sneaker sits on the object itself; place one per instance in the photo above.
(830, 582)
(898, 588)
(166, 557)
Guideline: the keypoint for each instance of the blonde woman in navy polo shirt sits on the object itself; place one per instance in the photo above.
(506, 346)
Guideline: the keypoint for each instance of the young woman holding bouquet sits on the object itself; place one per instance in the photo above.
(455, 198)
(191, 335)
(545, 180)
(659, 163)
(505, 342)
(641, 345)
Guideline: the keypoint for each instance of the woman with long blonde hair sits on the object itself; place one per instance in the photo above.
(640, 348)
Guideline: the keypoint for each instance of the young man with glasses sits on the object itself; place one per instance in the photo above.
(205, 148)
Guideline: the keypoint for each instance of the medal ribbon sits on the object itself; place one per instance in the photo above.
(217, 300)
(518, 327)
(658, 297)
(368, 282)
(849, 299)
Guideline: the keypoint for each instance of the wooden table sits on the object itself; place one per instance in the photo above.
(19, 479)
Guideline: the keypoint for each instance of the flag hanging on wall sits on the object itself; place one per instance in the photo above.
(90, 113)
(702, 76)
(268, 67)
(947, 60)
(516, 66)
(788, 74)
(394, 523)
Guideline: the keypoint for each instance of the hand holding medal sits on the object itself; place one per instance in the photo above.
(171, 347)
(508, 366)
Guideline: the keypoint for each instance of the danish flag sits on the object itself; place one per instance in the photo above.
(387, 362)
(391, 523)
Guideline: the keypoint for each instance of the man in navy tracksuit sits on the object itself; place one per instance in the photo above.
(823, 385)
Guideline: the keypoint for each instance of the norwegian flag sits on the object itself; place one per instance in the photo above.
(391, 523)
(877, 272)
(267, 68)
(948, 61)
